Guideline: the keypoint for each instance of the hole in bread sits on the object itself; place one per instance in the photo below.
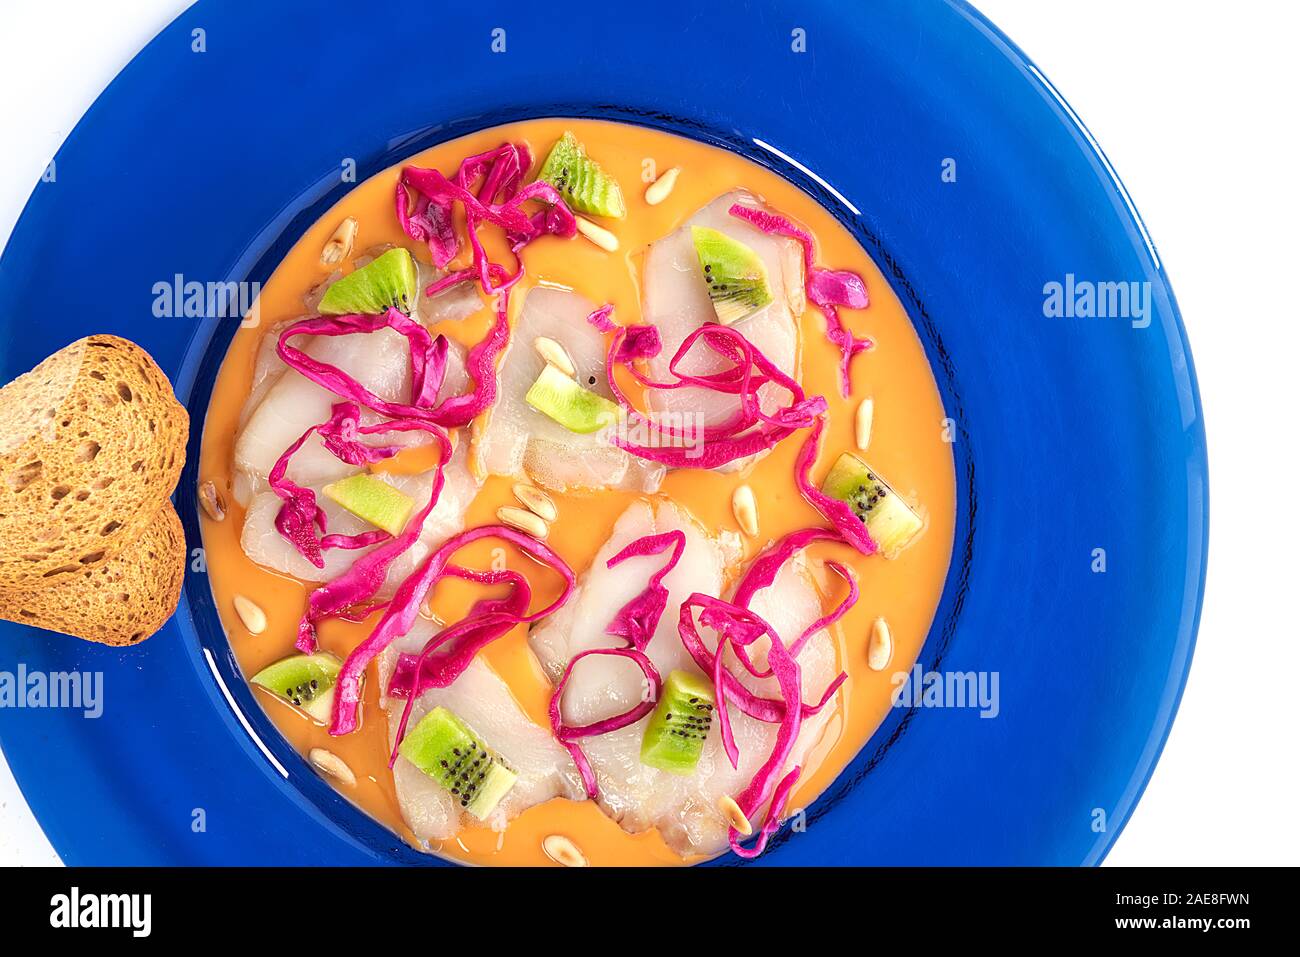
(124, 391)
(61, 570)
(137, 465)
(87, 451)
(59, 491)
(97, 375)
(91, 558)
(25, 475)
(100, 484)
(110, 528)
(82, 495)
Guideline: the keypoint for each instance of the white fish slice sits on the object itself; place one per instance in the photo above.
(675, 299)
(453, 304)
(267, 369)
(603, 685)
(683, 808)
(484, 702)
(515, 439)
(263, 543)
(287, 404)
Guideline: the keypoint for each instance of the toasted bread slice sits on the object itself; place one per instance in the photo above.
(92, 442)
(121, 601)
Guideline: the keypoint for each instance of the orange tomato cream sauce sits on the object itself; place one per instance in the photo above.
(906, 447)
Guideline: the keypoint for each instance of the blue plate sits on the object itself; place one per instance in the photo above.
(1071, 434)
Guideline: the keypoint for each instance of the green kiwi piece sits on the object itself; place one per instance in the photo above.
(304, 681)
(674, 736)
(579, 179)
(890, 521)
(389, 280)
(372, 500)
(446, 749)
(734, 273)
(577, 409)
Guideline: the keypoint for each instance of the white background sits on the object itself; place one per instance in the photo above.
(1193, 103)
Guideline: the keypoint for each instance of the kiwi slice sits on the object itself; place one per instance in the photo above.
(372, 500)
(304, 681)
(577, 409)
(890, 521)
(447, 750)
(734, 273)
(580, 180)
(674, 736)
(387, 281)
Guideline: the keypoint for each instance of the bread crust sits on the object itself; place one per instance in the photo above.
(92, 442)
(123, 600)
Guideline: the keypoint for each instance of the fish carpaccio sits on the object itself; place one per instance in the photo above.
(607, 496)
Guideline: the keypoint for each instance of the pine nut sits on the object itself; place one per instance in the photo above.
(552, 352)
(881, 646)
(524, 520)
(735, 816)
(339, 246)
(250, 614)
(599, 235)
(210, 500)
(330, 764)
(563, 851)
(745, 508)
(658, 191)
(477, 467)
(536, 501)
(862, 423)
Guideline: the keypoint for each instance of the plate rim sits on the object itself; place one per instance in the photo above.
(1197, 456)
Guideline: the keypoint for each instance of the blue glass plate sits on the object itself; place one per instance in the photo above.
(1072, 434)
